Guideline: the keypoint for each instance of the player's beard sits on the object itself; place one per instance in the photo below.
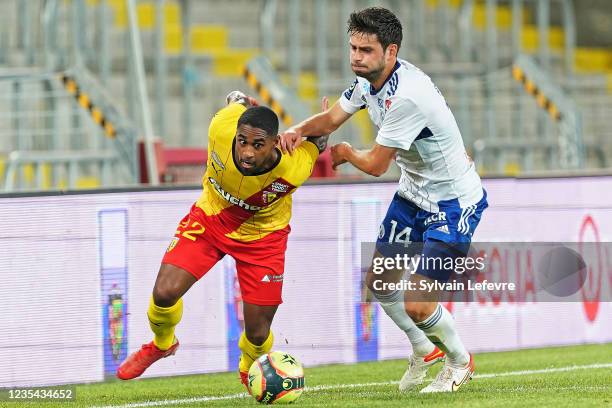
(374, 74)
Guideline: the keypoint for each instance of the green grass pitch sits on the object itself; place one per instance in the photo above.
(577, 376)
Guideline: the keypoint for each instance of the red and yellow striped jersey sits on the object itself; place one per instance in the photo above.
(247, 208)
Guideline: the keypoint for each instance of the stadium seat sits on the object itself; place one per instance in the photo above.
(231, 62)
(172, 14)
(307, 87)
(184, 165)
(436, 3)
(530, 38)
(173, 42)
(503, 17)
(592, 60)
(88, 182)
(146, 15)
(206, 38)
(120, 13)
(142, 162)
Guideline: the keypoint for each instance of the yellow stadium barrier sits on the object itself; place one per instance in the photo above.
(543, 100)
(265, 96)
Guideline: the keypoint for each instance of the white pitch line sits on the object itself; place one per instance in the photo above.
(544, 370)
(359, 385)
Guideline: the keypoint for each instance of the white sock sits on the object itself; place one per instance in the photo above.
(393, 305)
(440, 329)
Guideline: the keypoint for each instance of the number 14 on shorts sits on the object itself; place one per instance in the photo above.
(402, 236)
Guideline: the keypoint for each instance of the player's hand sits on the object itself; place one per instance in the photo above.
(290, 139)
(339, 153)
(324, 104)
(252, 101)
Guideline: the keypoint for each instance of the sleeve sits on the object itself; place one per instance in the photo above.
(303, 161)
(403, 122)
(350, 101)
(225, 121)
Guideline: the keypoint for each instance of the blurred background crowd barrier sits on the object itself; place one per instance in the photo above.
(82, 84)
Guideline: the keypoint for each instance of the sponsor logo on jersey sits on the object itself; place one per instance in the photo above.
(231, 199)
(279, 187)
(380, 103)
(438, 217)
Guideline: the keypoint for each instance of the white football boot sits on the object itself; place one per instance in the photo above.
(449, 379)
(417, 370)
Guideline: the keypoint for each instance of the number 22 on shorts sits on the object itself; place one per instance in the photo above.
(190, 229)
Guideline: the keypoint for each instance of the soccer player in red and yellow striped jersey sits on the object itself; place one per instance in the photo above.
(243, 211)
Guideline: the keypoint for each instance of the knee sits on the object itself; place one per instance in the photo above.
(257, 336)
(165, 295)
(418, 311)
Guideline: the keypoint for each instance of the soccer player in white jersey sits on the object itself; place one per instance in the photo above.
(440, 198)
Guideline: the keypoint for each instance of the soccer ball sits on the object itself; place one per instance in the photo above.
(276, 378)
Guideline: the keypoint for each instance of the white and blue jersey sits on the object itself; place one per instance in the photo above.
(440, 196)
(412, 116)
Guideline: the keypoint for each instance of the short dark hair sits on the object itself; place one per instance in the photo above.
(260, 117)
(379, 21)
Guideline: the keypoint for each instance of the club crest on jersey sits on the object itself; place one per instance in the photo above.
(387, 104)
(268, 197)
(278, 187)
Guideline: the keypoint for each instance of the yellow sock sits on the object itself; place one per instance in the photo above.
(250, 352)
(163, 320)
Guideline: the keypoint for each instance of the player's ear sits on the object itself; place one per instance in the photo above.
(392, 50)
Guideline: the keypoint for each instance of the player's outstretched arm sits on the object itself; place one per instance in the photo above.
(374, 162)
(322, 123)
(321, 141)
